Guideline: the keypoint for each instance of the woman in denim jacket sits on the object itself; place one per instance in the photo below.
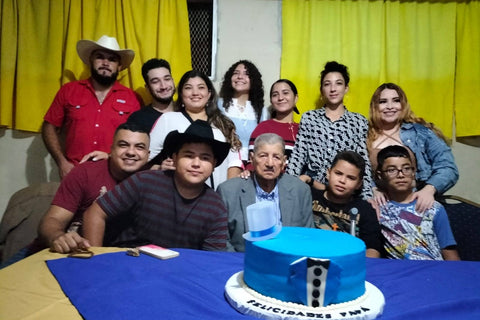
(392, 122)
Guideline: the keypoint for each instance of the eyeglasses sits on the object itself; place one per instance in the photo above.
(393, 172)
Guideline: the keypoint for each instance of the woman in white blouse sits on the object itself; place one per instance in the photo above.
(242, 100)
(197, 99)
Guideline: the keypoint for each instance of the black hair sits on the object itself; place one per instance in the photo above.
(211, 107)
(290, 84)
(154, 64)
(392, 152)
(215, 116)
(334, 66)
(353, 158)
(273, 112)
(131, 126)
(255, 95)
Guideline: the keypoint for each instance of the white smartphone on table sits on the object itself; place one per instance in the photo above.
(158, 252)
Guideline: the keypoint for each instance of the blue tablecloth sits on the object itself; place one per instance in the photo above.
(191, 286)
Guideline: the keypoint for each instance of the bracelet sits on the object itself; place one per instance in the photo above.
(310, 183)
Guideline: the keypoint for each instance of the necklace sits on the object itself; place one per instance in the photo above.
(291, 127)
(292, 132)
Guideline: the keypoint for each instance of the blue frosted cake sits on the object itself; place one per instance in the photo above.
(307, 266)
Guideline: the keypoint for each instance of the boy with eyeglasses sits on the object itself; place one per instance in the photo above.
(408, 233)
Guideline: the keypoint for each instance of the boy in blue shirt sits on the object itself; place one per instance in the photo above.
(408, 233)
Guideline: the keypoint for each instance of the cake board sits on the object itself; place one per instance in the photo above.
(247, 301)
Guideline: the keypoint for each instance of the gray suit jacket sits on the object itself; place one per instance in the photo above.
(295, 200)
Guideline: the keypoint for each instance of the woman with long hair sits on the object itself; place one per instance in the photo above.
(328, 130)
(242, 100)
(283, 99)
(392, 122)
(197, 99)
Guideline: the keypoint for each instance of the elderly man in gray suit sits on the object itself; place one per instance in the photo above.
(266, 183)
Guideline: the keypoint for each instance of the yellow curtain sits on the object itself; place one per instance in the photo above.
(467, 79)
(315, 32)
(38, 47)
(411, 43)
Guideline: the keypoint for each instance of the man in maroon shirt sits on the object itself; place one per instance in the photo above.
(60, 228)
(90, 110)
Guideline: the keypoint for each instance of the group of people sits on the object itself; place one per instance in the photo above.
(182, 173)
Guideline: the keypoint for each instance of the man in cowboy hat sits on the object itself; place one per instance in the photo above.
(170, 208)
(291, 197)
(159, 82)
(90, 110)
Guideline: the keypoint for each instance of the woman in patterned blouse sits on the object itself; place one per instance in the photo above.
(328, 130)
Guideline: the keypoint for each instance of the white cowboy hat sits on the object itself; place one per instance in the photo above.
(86, 47)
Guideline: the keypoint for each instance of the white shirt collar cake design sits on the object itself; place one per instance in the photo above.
(305, 273)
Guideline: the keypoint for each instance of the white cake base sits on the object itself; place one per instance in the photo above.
(247, 301)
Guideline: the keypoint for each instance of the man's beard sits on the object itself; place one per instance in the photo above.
(162, 100)
(103, 80)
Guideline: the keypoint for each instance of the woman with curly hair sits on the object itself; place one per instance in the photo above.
(328, 130)
(197, 99)
(392, 122)
(242, 100)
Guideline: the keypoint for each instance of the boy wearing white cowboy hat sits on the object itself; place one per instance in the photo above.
(90, 110)
(170, 208)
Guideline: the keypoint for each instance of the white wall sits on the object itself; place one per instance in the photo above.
(467, 156)
(248, 29)
(24, 161)
(251, 30)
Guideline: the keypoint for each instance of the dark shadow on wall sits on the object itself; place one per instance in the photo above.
(473, 141)
(36, 170)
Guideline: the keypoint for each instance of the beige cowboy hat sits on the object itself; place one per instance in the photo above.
(86, 47)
